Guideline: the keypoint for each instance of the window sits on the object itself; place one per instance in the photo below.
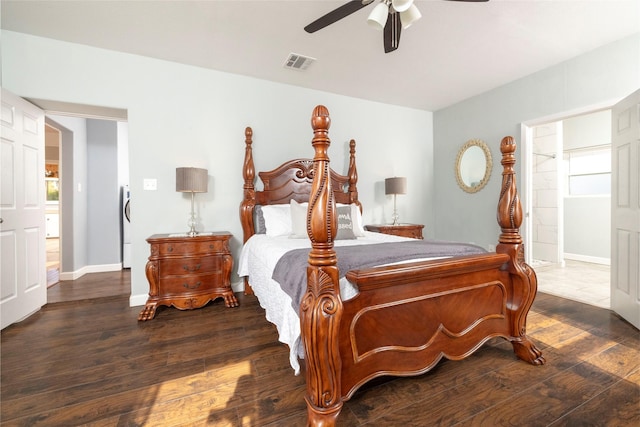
(53, 192)
(588, 171)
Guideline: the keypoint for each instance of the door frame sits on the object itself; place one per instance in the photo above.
(526, 163)
(69, 270)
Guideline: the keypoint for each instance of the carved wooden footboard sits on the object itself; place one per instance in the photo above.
(443, 308)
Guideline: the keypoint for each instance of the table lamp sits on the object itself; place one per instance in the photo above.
(192, 180)
(396, 185)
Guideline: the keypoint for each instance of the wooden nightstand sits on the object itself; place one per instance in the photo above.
(406, 230)
(188, 272)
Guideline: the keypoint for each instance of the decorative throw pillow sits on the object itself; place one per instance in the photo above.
(345, 223)
(356, 217)
(258, 221)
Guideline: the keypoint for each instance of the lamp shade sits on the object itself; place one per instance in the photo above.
(378, 16)
(401, 5)
(192, 180)
(410, 16)
(395, 185)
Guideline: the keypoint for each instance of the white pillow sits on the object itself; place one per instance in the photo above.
(298, 220)
(277, 220)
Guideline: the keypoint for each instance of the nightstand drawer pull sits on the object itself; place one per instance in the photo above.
(195, 286)
(170, 248)
(195, 268)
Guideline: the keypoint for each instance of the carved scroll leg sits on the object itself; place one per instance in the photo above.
(527, 351)
(148, 312)
(322, 417)
(320, 315)
(230, 299)
(248, 290)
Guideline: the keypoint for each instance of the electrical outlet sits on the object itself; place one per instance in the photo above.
(150, 184)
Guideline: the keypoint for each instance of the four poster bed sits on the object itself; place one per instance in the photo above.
(393, 318)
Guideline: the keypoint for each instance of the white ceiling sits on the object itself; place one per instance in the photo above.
(457, 50)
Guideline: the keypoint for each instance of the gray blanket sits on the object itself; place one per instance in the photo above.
(291, 269)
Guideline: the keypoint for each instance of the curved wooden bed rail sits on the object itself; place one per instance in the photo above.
(504, 285)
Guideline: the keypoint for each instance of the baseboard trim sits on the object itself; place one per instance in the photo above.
(102, 268)
(587, 258)
(138, 300)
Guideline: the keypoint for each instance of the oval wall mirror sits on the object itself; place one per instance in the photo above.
(473, 165)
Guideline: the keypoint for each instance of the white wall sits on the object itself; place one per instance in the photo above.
(587, 219)
(546, 193)
(587, 228)
(587, 130)
(604, 75)
(103, 194)
(187, 116)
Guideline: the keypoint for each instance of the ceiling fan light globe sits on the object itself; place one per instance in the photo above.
(378, 16)
(410, 16)
(401, 5)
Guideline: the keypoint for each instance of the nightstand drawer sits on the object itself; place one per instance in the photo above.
(181, 266)
(191, 248)
(179, 285)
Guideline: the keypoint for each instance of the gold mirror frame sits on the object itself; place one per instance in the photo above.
(488, 165)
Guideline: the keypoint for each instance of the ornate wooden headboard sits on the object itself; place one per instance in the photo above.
(290, 181)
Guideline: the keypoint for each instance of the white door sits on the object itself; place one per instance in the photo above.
(625, 209)
(23, 273)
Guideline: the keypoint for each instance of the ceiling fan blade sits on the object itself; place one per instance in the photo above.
(336, 15)
(391, 32)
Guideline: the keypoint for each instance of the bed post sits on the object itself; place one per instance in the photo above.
(249, 201)
(321, 307)
(353, 175)
(523, 277)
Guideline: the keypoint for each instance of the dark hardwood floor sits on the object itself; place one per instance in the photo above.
(91, 286)
(86, 360)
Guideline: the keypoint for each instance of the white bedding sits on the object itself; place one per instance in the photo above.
(258, 258)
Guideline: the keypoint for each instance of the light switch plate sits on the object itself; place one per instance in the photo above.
(150, 184)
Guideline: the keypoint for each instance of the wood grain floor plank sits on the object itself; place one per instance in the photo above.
(545, 402)
(90, 362)
(599, 411)
(95, 389)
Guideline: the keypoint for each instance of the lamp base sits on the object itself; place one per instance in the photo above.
(192, 220)
(395, 215)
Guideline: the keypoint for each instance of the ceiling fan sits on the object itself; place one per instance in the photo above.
(391, 16)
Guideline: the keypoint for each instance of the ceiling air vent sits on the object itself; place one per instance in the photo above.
(298, 62)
